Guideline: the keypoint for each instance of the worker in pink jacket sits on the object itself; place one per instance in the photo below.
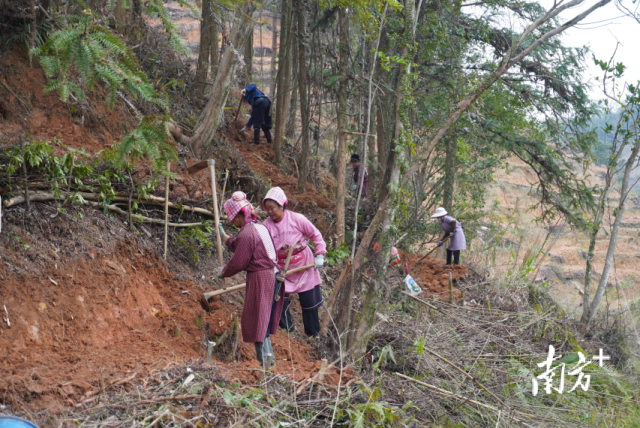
(292, 229)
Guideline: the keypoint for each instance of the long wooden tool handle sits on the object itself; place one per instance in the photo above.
(238, 111)
(284, 272)
(300, 269)
(286, 263)
(241, 286)
(216, 215)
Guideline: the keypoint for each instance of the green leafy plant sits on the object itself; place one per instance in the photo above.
(84, 52)
(338, 254)
(150, 140)
(195, 240)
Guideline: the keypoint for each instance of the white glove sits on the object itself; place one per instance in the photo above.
(223, 235)
(243, 92)
(244, 128)
(319, 261)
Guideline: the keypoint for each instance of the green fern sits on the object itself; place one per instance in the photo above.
(150, 140)
(85, 53)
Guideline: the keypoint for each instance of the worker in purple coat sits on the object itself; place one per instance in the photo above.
(355, 163)
(453, 229)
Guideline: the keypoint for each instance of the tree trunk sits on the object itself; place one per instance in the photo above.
(372, 156)
(248, 59)
(597, 221)
(274, 49)
(381, 139)
(392, 170)
(345, 298)
(302, 90)
(215, 45)
(449, 173)
(204, 52)
(211, 116)
(341, 154)
(590, 311)
(292, 94)
(119, 13)
(137, 9)
(376, 295)
(282, 80)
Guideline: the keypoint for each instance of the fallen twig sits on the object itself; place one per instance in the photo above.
(42, 197)
(151, 200)
(420, 300)
(460, 397)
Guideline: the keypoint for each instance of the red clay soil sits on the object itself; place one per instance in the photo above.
(261, 157)
(432, 277)
(22, 97)
(88, 320)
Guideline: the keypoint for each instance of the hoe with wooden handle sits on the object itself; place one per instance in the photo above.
(211, 163)
(284, 272)
(209, 295)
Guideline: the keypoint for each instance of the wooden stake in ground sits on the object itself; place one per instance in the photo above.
(24, 171)
(224, 187)
(450, 289)
(216, 215)
(166, 209)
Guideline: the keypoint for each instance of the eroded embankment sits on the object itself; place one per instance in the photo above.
(91, 304)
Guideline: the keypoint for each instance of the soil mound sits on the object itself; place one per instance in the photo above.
(91, 304)
(432, 277)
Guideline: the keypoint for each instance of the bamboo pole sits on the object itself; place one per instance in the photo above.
(166, 209)
(450, 289)
(216, 216)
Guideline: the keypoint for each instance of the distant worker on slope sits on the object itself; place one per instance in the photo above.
(453, 229)
(253, 251)
(260, 113)
(355, 163)
(293, 229)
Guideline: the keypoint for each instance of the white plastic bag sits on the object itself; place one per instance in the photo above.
(411, 287)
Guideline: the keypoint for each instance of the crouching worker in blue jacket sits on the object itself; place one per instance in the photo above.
(260, 113)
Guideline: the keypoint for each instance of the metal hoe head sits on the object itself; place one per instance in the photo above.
(197, 167)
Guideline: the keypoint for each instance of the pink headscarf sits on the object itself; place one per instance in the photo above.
(237, 203)
(275, 194)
